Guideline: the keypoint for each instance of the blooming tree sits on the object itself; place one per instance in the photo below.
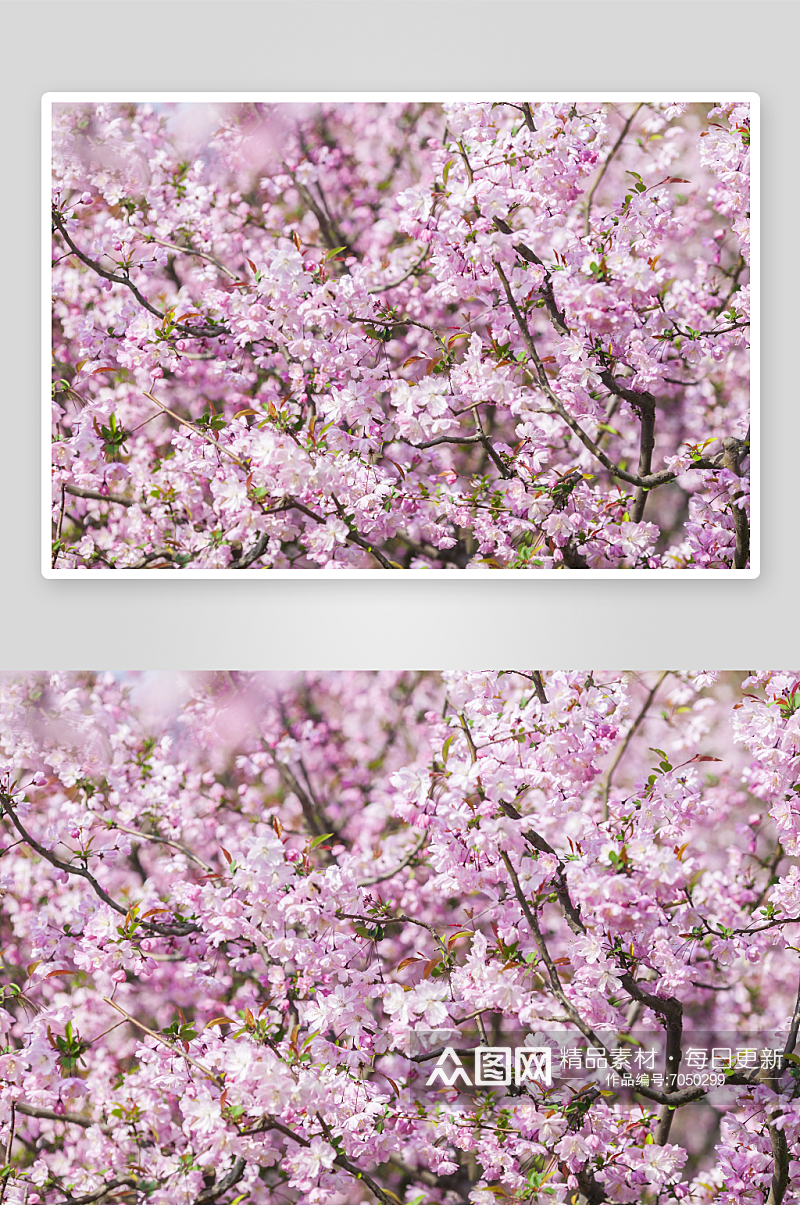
(243, 913)
(401, 335)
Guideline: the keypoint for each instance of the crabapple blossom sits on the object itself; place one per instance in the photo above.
(401, 335)
(256, 927)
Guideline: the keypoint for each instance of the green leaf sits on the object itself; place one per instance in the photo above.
(318, 841)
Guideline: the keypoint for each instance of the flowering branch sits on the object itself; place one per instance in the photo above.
(165, 930)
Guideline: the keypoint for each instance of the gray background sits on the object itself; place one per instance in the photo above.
(384, 45)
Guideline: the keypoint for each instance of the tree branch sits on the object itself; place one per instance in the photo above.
(159, 1037)
(190, 331)
(557, 315)
(732, 453)
(651, 480)
(77, 1119)
(417, 264)
(382, 878)
(134, 832)
(623, 748)
(669, 1007)
(605, 166)
(176, 930)
(216, 1190)
(272, 1123)
(126, 1181)
(78, 492)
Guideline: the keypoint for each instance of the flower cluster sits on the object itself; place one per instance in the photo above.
(243, 915)
(401, 336)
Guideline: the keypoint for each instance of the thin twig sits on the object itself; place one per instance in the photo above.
(417, 264)
(604, 168)
(272, 1123)
(630, 733)
(212, 1075)
(165, 841)
(214, 443)
(382, 878)
(200, 254)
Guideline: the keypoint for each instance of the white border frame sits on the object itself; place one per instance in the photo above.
(51, 98)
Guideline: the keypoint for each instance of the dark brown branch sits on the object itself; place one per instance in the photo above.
(161, 554)
(780, 1161)
(191, 332)
(645, 406)
(571, 913)
(794, 1028)
(272, 1123)
(780, 1148)
(649, 482)
(309, 805)
(77, 1119)
(126, 1181)
(352, 537)
(733, 451)
(669, 1008)
(78, 492)
(443, 439)
(216, 1190)
(556, 315)
(538, 686)
(176, 930)
(259, 548)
